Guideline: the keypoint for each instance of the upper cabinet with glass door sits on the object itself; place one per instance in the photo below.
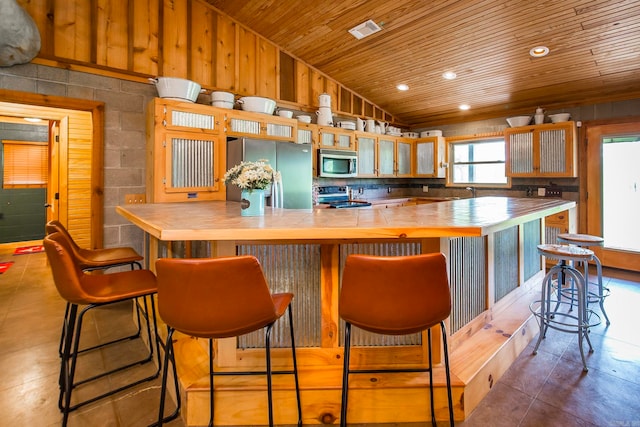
(331, 137)
(547, 150)
(394, 156)
(429, 158)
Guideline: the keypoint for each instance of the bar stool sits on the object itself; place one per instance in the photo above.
(220, 298)
(586, 241)
(92, 290)
(96, 259)
(395, 296)
(555, 280)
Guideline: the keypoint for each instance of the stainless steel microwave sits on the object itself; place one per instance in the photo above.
(337, 163)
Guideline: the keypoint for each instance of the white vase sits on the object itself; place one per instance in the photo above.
(252, 203)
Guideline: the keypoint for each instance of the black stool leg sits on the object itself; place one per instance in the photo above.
(269, 382)
(168, 358)
(211, 383)
(433, 407)
(446, 370)
(295, 367)
(345, 374)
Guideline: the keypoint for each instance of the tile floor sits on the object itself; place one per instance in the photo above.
(548, 389)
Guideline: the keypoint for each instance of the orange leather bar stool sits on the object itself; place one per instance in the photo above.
(557, 279)
(96, 259)
(220, 298)
(586, 241)
(80, 288)
(395, 296)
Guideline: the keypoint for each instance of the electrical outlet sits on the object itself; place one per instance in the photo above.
(131, 199)
(553, 192)
(542, 191)
(425, 188)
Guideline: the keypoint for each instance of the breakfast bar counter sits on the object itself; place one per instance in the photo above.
(494, 272)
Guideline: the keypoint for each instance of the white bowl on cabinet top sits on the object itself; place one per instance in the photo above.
(177, 88)
(560, 117)
(519, 121)
(257, 104)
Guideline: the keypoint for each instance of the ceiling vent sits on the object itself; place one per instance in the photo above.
(365, 29)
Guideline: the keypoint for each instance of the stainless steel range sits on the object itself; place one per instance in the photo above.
(337, 197)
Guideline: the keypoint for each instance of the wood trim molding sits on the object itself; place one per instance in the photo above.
(97, 116)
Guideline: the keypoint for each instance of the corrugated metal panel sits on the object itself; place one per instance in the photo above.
(279, 130)
(552, 151)
(192, 120)
(468, 279)
(521, 148)
(531, 232)
(290, 268)
(358, 336)
(192, 162)
(245, 126)
(505, 262)
(305, 136)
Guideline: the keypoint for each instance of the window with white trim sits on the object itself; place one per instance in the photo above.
(477, 162)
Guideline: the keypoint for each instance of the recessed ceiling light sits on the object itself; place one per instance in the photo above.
(33, 119)
(449, 75)
(464, 107)
(539, 51)
(402, 86)
(365, 29)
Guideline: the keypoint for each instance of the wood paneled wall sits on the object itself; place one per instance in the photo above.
(135, 39)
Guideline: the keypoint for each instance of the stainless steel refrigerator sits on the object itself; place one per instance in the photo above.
(293, 161)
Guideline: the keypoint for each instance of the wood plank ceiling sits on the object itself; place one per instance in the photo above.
(594, 51)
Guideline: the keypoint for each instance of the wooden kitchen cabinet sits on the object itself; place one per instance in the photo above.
(186, 152)
(367, 155)
(307, 134)
(258, 125)
(547, 150)
(330, 137)
(430, 157)
(394, 156)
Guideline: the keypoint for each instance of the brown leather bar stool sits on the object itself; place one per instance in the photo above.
(220, 298)
(96, 259)
(554, 283)
(80, 288)
(395, 296)
(587, 241)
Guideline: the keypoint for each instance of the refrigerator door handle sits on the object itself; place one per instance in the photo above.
(277, 194)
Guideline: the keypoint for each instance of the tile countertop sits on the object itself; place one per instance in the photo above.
(221, 220)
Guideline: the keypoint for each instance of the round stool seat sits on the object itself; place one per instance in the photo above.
(581, 239)
(565, 252)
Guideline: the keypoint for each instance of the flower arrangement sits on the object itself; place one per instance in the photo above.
(250, 175)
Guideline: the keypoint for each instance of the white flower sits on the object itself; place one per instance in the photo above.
(250, 175)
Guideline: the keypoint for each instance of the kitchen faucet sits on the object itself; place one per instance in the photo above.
(473, 191)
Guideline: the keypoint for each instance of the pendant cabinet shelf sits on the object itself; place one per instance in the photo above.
(186, 152)
(547, 150)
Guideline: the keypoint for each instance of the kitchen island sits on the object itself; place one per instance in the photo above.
(494, 269)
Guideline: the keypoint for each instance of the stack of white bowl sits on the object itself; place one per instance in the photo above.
(222, 99)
